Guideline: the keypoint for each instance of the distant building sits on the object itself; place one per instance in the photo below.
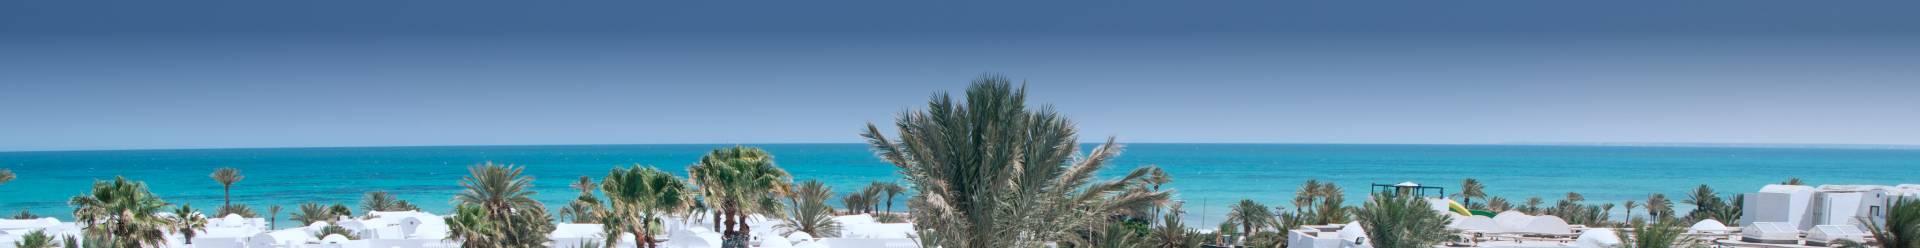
(1804, 207)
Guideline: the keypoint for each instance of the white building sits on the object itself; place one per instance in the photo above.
(1804, 207)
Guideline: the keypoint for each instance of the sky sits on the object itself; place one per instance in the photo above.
(85, 75)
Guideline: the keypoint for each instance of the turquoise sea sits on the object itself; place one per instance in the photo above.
(1206, 176)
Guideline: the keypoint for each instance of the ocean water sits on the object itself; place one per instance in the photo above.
(1207, 177)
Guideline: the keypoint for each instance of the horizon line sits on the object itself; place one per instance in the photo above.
(1544, 144)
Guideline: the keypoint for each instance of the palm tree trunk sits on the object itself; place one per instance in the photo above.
(716, 219)
(226, 196)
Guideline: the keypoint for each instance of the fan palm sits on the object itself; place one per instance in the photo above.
(1471, 189)
(188, 222)
(739, 181)
(641, 194)
(1250, 215)
(990, 172)
(122, 211)
(1902, 226)
(1396, 221)
(808, 211)
(226, 176)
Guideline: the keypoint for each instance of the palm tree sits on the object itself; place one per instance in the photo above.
(310, 212)
(273, 216)
(470, 224)
(892, 189)
(989, 172)
(123, 212)
(1249, 215)
(1174, 233)
(586, 208)
(1470, 189)
(242, 210)
(1704, 202)
(1533, 205)
(37, 238)
(1664, 233)
(1498, 204)
(740, 181)
(383, 201)
(189, 221)
(640, 195)
(1397, 221)
(226, 176)
(808, 211)
(1902, 226)
(1794, 181)
(1659, 207)
(506, 198)
(1630, 205)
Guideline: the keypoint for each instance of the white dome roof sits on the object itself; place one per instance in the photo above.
(799, 236)
(1597, 238)
(333, 239)
(1708, 225)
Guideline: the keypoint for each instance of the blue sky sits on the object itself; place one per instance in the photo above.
(200, 74)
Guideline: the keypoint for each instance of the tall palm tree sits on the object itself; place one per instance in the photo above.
(1704, 202)
(740, 181)
(1533, 205)
(872, 194)
(226, 176)
(891, 189)
(990, 172)
(273, 216)
(188, 222)
(1630, 205)
(506, 197)
(1249, 215)
(1469, 190)
(1398, 221)
(1658, 207)
(808, 210)
(640, 195)
(1174, 233)
(585, 208)
(123, 212)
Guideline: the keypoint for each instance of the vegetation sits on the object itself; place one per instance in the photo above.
(6, 175)
(1658, 207)
(1498, 204)
(273, 216)
(313, 212)
(334, 229)
(24, 215)
(1174, 233)
(739, 182)
(1532, 206)
(121, 213)
(584, 209)
(1396, 221)
(1320, 203)
(808, 211)
(385, 202)
(1902, 227)
(242, 210)
(1250, 215)
(226, 176)
(1471, 189)
(1794, 181)
(640, 195)
(497, 209)
(35, 239)
(188, 222)
(1664, 233)
(990, 172)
